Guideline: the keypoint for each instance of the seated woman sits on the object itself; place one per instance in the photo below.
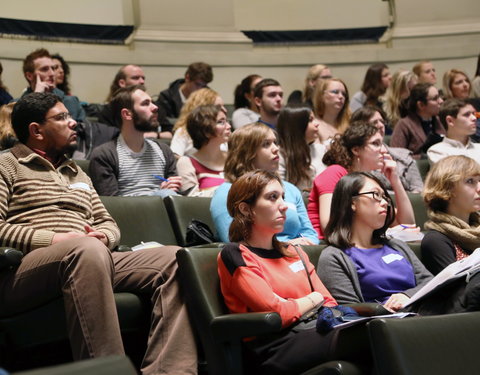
(361, 264)
(407, 168)
(361, 148)
(246, 111)
(259, 273)
(376, 81)
(396, 96)
(253, 147)
(315, 74)
(181, 142)
(300, 156)
(330, 103)
(452, 196)
(202, 172)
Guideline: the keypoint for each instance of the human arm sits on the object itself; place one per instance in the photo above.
(324, 204)
(438, 251)
(404, 214)
(218, 210)
(339, 276)
(400, 136)
(187, 172)
(103, 169)
(436, 152)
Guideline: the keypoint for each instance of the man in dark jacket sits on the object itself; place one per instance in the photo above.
(197, 76)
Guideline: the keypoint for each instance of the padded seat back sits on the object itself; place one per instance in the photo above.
(423, 167)
(419, 208)
(140, 219)
(444, 344)
(183, 209)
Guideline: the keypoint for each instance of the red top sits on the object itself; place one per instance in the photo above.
(324, 183)
(207, 177)
(259, 280)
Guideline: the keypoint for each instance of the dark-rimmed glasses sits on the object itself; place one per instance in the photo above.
(375, 195)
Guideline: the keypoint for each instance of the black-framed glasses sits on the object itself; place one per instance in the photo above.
(375, 195)
(63, 116)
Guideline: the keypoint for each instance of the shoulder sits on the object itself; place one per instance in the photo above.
(104, 149)
(232, 258)
(332, 252)
(185, 162)
(332, 173)
(220, 195)
(433, 237)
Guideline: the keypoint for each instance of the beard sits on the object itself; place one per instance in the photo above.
(145, 126)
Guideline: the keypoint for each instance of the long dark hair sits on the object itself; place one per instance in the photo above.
(240, 101)
(339, 228)
(372, 85)
(247, 189)
(291, 125)
(65, 86)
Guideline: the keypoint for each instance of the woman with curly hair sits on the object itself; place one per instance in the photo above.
(62, 74)
(376, 81)
(452, 196)
(330, 103)
(181, 142)
(300, 156)
(359, 149)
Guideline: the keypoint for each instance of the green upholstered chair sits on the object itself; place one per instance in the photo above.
(139, 219)
(112, 365)
(182, 210)
(419, 208)
(440, 345)
(423, 167)
(221, 333)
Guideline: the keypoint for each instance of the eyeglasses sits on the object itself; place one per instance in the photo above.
(435, 98)
(375, 195)
(338, 92)
(64, 116)
(376, 145)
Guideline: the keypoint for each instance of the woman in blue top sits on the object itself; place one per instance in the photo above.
(253, 147)
(361, 264)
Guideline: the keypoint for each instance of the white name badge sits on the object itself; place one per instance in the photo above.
(80, 185)
(297, 266)
(392, 258)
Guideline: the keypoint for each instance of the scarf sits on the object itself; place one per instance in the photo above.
(467, 236)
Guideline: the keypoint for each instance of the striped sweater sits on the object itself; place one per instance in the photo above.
(37, 201)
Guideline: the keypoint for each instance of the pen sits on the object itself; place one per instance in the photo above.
(160, 178)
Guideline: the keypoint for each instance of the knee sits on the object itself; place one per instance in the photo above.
(88, 250)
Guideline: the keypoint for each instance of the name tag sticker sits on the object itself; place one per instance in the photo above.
(391, 258)
(80, 185)
(297, 266)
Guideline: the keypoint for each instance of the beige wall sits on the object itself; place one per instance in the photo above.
(170, 36)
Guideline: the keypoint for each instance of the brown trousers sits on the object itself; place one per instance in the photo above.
(87, 274)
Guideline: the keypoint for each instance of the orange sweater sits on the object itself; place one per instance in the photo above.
(259, 280)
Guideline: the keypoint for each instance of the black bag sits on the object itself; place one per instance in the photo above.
(198, 233)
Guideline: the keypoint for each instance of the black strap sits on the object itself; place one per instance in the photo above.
(304, 267)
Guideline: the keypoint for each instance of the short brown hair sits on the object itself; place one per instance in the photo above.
(122, 98)
(443, 176)
(200, 70)
(28, 62)
(450, 107)
(201, 124)
(266, 82)
(243, 145)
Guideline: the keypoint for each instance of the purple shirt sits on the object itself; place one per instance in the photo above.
(382, 272)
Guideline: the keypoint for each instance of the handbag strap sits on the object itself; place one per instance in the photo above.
(304, 267)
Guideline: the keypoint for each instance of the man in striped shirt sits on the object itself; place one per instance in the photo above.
(50, 210)
(132, 164)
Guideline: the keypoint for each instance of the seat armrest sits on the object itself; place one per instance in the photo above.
(10, 258)
(237, 326)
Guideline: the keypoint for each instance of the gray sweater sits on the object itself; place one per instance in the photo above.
(338, 273)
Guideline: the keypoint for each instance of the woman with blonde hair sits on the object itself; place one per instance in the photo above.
(397, 94)
(452, 196)
(181, 142)
(315, 74)
(253, 147)
(331, 107)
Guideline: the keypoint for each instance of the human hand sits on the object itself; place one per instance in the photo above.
(396, 302)
(58, 237)
(301, 241)
(316, 297)
(174, 183)
(42, 86)
(96, 234)
(389, 168)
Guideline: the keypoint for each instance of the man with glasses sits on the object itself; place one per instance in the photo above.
(55, 216)
(421, 128)
(171, 100)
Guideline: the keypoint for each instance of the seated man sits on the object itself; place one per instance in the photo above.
(131, 164)
(130, 75)
(56, 218)
(197, 76)
(458, 117)
(39, 71)
(268, 96)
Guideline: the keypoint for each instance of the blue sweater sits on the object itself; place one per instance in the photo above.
(297, 223)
